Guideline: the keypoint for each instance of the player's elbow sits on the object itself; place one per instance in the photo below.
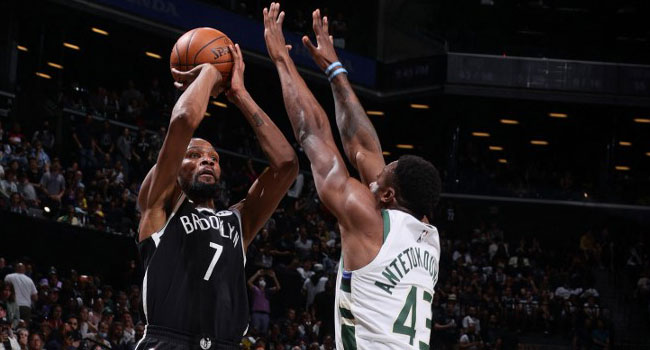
(289, 166)
(185, 117)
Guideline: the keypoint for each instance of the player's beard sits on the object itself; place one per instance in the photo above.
(199, 191)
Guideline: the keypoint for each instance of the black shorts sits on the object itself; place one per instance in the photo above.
(161, 338)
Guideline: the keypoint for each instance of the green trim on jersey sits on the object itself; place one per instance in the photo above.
(348, 337)
(346, 285)
(384, 214)
(345, 313)
(424, 346)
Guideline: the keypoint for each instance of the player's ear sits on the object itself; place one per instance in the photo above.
(387, 196)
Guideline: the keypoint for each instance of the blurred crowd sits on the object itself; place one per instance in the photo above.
(493, 289)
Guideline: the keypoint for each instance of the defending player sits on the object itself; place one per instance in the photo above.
(390, 253)
(194, 291)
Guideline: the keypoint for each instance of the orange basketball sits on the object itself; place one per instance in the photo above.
(202, 45)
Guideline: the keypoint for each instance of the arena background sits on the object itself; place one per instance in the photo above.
(537, 114)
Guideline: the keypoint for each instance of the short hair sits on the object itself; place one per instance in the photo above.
(418, 185)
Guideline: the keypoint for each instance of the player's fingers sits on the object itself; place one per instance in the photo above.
(332, 39)
(238, 49)
(326, 30)
(289, 47)
(319, 20)
(308, 44)
(281, 18)
(266, 12)
(274, 11)
(314, 22)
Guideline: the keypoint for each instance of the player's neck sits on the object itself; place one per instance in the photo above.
(203, 203)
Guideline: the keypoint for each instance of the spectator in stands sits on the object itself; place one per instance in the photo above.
(303, 244)
(85, 142)
(38, 152)
(9, 184)
(28, 192)
(472, 319)
(25, 291)
(7, 339)
(45, 136)
(17, 204)
(69, 217)
(261, 308)
(53, 183)
(8, 302)
(22, 336)
(600, 336)
(125, 149)
(314, 284)
(34, 173)
(445, 329)
(35, 341)
(470, 339)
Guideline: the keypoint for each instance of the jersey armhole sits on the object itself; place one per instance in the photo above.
(158, 234)
(238, 215)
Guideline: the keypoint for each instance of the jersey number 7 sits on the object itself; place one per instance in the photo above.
(218, 249)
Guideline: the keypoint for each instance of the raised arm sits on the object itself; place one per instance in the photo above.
(269, 188)
(160, 184)
(360, 141)
(350, 201)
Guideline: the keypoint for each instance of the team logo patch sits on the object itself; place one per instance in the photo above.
(223, 213)
(205, 343)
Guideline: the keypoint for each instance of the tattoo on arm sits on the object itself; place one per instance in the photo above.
(257, 119)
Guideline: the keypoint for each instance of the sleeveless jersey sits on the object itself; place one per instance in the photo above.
(386, 305)
(194, 280)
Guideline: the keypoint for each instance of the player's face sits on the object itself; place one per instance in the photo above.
(200, 170)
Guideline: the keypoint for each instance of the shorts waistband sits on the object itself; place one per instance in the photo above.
(193, 341)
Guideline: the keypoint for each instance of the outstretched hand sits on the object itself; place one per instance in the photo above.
(182, 80)
(275, 43)
(237, 81)
(324, 53)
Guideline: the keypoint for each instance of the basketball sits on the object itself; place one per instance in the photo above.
(202, 45)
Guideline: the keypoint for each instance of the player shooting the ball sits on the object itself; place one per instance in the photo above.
(194, 291)
(390, 252)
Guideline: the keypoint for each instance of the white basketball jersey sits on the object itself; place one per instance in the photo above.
(386, 305)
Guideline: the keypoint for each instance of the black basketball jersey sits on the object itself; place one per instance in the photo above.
(194, 280)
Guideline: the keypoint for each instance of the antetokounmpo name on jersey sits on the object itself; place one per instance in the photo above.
(408, 260)
(194, 222)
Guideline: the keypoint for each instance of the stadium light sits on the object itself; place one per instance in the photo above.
(386, 153)
(503, 161)
(43, 75)
(152, 55)
(480, 134)
(71, 46)
(207, 114)
(374, 113)
(219, 104)
(625, 143)
(419, 106)
(558, 115)
(55, 65)
(622, 168)
(404, 146)
(642, 120)
(496, 148)
(99, 31)
(509, 121)
(46, 209)
(539, 142)
(22, 48)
